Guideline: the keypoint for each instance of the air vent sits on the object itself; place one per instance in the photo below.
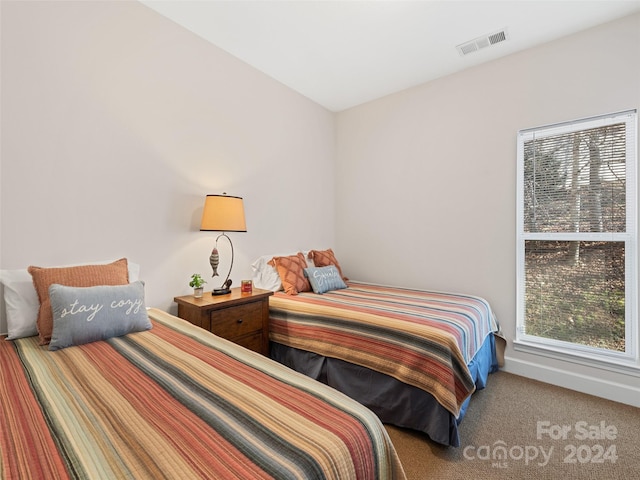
(483, 42)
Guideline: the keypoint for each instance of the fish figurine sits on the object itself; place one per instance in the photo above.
(214, 260)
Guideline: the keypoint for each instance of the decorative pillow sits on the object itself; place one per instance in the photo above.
(81, 276)
(324, 279)
(291, 271)
(21, 300)
(88, 314)
(323, 258)
(265, 276)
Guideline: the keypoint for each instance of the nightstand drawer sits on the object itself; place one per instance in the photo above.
(252, 342)
(239, 320)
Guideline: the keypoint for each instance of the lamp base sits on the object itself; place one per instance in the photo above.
(220, 291)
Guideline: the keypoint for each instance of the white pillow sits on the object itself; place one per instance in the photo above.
(22, 303)
(265, 276)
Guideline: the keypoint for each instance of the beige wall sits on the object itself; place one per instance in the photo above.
(117, 122)
(426, 178)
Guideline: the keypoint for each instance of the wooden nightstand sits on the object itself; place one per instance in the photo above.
(240, 317)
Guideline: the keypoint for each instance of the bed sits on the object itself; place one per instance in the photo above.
(171, 400)
(413, 357)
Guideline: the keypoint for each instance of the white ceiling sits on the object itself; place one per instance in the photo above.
(344, 53)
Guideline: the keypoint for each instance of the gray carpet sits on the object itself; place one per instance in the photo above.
(530, 420)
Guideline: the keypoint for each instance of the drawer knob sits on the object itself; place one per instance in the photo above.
(240, 320)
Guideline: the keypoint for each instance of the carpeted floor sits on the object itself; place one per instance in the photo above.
(542, 432)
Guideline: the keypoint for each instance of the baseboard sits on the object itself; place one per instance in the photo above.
(598, 387)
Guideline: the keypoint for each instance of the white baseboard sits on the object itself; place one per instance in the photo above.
(598, 387)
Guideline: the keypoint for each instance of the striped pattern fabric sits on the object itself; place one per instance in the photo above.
(177, 402)
(424, 339)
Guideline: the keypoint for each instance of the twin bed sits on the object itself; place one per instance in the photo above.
(413, 357)
(178, 402)
(171, 400)
(95, 386)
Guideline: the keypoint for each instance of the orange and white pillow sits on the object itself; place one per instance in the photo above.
(291, 272)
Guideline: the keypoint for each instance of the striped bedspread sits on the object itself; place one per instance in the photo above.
(177, 402)
(424, 339)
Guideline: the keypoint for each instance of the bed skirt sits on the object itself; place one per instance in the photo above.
(393, 401)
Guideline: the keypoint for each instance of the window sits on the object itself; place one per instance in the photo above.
(577, 240)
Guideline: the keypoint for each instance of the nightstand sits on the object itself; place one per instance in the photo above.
(240, 317)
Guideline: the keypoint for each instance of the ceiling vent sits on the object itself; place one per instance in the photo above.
(482, 42)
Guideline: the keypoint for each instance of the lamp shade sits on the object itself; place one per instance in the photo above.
(223, 213)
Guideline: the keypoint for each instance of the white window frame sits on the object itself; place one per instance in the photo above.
(629, 360)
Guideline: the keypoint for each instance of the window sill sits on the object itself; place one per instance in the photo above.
(618, 365)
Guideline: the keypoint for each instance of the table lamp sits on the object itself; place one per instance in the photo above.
(222, 213)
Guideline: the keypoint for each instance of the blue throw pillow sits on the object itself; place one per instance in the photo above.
(324, 279)
(88, 314)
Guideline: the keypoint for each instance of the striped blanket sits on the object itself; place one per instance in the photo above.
(424, 339)
(177, 402)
